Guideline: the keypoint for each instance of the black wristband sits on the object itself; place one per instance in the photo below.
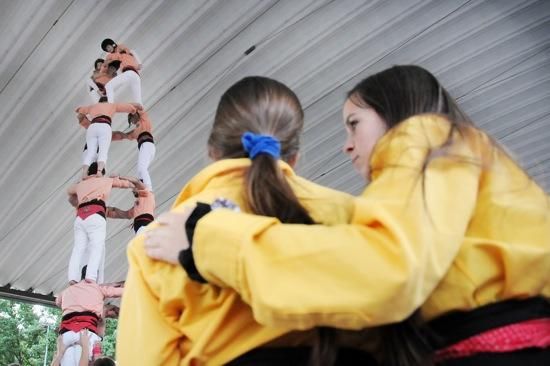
(185, 257)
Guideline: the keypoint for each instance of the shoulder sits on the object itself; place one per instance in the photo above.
(232, 196)
(423, 129)
(221, 179)
(409, 143)
(325, 205)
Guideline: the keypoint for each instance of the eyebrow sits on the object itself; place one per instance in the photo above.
(348, 119)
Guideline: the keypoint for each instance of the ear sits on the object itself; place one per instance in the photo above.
(293, 160)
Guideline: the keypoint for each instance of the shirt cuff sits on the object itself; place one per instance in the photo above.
(185, 256)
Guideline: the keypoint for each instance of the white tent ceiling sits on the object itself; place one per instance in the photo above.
(493, 56)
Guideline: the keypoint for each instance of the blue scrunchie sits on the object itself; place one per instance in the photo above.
(255, 145)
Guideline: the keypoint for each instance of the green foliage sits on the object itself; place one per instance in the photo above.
(24, 333)
(109, 341)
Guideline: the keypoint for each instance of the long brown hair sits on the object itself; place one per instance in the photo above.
(396, 94)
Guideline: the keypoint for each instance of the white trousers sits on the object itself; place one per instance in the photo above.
(71, 357)
(93, 90)
(98, 135)
(101, 269)
(89, 235)
(146, 154)
(85, 152)
(129, 78)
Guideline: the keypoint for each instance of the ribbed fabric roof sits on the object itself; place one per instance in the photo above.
(493, 56)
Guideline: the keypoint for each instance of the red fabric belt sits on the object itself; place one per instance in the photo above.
(533, 333)
(89, 208)
(79, 322)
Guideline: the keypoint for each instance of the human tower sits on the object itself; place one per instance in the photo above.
(114, 87)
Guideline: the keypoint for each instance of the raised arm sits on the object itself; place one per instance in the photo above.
(84, 342)
(83, 120)
(112, 291)
(119, 135)
(122, 48)
(58, 301)
(121, 183)
(125, 107)
(136, 182)
(117, 213)
(59, 352)
(111, 57)
(405, 234)
(83, 109)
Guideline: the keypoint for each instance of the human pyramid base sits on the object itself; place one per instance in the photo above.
(83, 302)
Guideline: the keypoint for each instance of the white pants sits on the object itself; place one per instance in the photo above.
(98, 135)
(100, 270)
(89, 235)
(71, 357)
(93, 90)
(146, 154)
(85, 152)
(129, 78)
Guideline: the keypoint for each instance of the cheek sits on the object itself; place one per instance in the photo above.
(364, 142)
(374, 135)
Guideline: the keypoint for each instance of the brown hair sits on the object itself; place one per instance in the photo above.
(104, 361)
(265, 106)
(262, 106)
(396, 94)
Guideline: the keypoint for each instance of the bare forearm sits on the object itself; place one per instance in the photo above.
(117, 213)
(119, 135)
(136, 182)
(84, 355)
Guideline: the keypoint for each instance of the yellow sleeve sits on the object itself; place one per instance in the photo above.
(404, 235)
(150, 310)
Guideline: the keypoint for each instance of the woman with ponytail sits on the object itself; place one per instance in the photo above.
(448, 249)
(173, 320)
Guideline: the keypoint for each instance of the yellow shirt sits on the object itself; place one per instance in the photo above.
(167, 319)
(471, 230)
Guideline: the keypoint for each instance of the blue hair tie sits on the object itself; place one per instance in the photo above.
(255, 145)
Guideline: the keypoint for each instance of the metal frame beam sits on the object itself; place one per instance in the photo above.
(27, 296)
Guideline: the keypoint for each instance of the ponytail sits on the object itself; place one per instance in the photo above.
(273, 112)
(267, 190)
(269, 194)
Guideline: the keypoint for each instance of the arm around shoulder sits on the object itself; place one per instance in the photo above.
(400, 244)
